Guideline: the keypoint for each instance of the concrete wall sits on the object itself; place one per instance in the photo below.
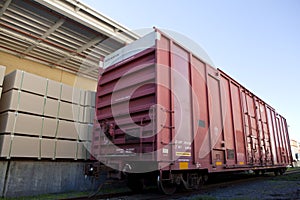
(30, 177)
(13, 62)
(3, 167)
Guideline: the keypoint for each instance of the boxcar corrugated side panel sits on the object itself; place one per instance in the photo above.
(217, 140)
(229, 134)
(233, 123)
(264, 130)
(181, 90)
(126, 94)
(201, 143)
(284, 146)
(163, 94)
(287, 141)
(272, 132)
(174, 95)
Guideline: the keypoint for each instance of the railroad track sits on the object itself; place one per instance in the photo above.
(293, 171)
(212, 185)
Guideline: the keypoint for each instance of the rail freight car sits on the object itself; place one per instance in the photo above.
(165, 112)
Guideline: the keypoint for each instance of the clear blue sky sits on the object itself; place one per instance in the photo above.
(256, 42)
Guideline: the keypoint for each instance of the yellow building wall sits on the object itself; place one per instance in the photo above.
(12, 63)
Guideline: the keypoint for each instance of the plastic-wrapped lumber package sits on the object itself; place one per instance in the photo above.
(2, 73)
(41, 118)
(96, 142)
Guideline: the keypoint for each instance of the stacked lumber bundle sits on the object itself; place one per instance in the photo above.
(2, 73)
(41, 118)
(96, 140)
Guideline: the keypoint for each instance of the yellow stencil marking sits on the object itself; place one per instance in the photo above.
(219, 163)
(183, 154)
(183, 165)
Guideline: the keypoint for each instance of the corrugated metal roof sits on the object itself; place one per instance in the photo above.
(63, 34)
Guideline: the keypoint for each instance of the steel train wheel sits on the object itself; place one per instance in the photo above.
(135, 183)
(282, 171)
(279, 171)
(166, 186)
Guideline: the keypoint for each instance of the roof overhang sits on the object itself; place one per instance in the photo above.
(61, 34)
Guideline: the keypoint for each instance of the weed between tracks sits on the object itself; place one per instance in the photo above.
(287, 177)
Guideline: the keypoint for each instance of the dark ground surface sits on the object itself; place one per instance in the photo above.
(267, 186)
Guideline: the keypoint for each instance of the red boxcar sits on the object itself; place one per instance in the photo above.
(164, 111)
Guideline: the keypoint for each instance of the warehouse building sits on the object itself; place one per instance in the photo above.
(295, 148)
(49, 56)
